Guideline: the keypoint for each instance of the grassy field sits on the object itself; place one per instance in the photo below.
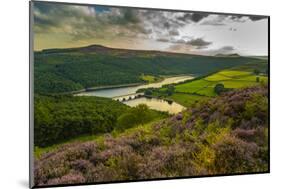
(190, 92)
(230, 78)
(201, 88)
(187, 99)
(150, 78)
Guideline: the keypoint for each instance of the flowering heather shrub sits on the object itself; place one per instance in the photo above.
(71, 178)
(227, 134)
(81, 165)
(233, 155)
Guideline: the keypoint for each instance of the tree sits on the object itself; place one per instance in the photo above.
(137, 115)
(148, 92)
(126, 121)
(256, 72)
(219, 88)
(257, 79)
(142, 113)
(170, 90)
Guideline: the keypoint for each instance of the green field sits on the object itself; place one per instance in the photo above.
(230, 78)
(201, 88)
(187, 99)
(150, 78)
(193, 87)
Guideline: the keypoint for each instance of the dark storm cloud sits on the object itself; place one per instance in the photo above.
(235, 17)
(218, 20)
(82, 22)
(227, 48)
(45, 7)
(161, 20)
(222, 20)
(174, 32)
(42, 12)
(163, 40)
(194, 17)
(239, 18)
(129, 16)
(185, 17)
(221, 50)
(199, 43)
(52, 16)
(180, 41)
(145, 30)
(256, 18)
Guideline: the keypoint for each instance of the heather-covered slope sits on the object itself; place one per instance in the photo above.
(225, 135)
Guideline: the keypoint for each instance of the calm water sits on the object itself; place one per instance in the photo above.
(156, 104)
(153, 103)
(123, 91)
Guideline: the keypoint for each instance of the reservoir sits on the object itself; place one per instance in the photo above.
(153, 103)
(156, 104)
(123, 91)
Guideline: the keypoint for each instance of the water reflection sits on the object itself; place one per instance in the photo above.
(157, 104)
(127, 95)
(110, 93)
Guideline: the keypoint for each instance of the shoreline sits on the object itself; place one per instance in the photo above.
(112, 86)
(122, 85)
(102, 88)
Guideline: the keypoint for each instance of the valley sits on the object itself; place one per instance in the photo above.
(96, 100)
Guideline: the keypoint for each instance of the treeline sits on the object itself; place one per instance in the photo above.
(62, 117)
(67, 71)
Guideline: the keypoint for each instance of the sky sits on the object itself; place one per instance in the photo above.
(65, 26)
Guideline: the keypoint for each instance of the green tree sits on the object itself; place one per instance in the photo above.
(126, 120)
(170, 90)
(256, 71)
(148, 92)
(257, 79)
(219, 88)
(135, 116)
(142, 113)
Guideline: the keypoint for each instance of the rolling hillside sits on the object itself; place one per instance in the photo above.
(65, 70)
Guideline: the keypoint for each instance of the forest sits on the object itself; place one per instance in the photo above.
(59, 118)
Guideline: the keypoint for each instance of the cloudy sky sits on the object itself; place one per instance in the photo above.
(62, 26)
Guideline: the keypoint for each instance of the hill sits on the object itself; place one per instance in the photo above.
(225, 135)
(65, 70)
(228, 55)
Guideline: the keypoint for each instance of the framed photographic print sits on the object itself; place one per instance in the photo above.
(122, 94)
